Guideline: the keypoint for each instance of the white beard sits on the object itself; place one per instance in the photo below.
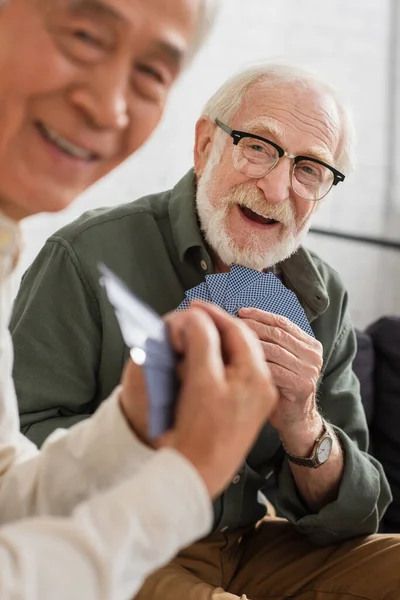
(213, 222)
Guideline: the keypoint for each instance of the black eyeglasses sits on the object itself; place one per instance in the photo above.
(255, 156)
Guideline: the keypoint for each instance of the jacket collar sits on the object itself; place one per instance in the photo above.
(183, 218)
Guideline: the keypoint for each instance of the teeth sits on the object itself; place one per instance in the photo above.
(66, 146)
(260, 214)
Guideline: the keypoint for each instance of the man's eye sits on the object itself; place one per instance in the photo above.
(87, 37)
(257, 148)
(151, 72)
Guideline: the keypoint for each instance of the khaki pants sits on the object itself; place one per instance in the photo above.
(274, 562)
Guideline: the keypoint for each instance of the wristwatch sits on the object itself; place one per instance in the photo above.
(320, 453)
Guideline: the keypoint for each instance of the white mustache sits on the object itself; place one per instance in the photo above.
(254, 199)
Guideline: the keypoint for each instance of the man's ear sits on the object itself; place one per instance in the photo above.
(205, 130)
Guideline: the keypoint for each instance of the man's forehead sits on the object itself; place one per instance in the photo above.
(114, 9)
(311, 115)
(121, 11)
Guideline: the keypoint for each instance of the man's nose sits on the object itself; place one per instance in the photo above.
(103, 98)
(276, 185)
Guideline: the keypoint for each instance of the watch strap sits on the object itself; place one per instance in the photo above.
(312, 460)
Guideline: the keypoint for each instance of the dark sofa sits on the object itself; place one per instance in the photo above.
(377, 366)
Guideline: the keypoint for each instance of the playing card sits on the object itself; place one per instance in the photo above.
(147, 337)
(159, 352)
(185, 304)
(286, 304)
(162, 389)
(217, 285)
(267, 285)
(240, 278)
(200, 292)
(140, 318)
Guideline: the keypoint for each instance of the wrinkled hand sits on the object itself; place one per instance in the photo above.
(226, 393)
(295, 362)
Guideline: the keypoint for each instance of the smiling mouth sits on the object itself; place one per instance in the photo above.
(64, 145)
(256, 217)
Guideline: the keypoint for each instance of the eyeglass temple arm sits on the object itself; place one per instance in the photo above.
(227, 129)
(339, 177)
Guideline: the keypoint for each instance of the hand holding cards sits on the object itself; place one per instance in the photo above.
(293, 354)
(146, 334)
(226, 393)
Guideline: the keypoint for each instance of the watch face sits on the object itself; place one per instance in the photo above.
(324, 450)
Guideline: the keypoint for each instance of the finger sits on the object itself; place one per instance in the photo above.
(277, 321)
(275, 335)
(133, 377)
(200, 342)
(282, 378)
(176, 331)
(239, 344)
(299, 348)
(274, 354)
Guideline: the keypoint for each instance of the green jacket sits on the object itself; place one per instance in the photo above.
(69, 353)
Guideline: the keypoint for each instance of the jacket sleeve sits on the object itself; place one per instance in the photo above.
(364, 493)
(56, 331)
(109, 544)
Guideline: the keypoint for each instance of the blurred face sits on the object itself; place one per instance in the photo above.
(260, 222)
(83, 85)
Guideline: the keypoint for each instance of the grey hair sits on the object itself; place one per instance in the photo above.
(228, 99)
(205, 23)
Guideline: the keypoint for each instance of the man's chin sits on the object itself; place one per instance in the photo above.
(255, 257)
(39, 201)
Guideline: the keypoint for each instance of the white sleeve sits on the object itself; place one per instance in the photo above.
(92, 456)
(110, 543)
(73, 465)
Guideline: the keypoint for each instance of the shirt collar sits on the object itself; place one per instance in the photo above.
(298, 271)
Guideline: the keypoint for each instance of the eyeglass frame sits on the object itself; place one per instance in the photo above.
(238, 135)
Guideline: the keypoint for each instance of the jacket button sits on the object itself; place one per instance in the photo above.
(204, 265)
(236, 479)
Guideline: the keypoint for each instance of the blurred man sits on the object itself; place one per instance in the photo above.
(270, 145)
(83, 84)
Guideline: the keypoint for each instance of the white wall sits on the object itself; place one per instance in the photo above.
(345, 41)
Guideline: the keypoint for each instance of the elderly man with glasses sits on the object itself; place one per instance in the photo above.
(270, 144)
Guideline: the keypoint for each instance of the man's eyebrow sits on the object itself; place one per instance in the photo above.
(94, 7)
(319, 153)
(173, 52)
(263, 125)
